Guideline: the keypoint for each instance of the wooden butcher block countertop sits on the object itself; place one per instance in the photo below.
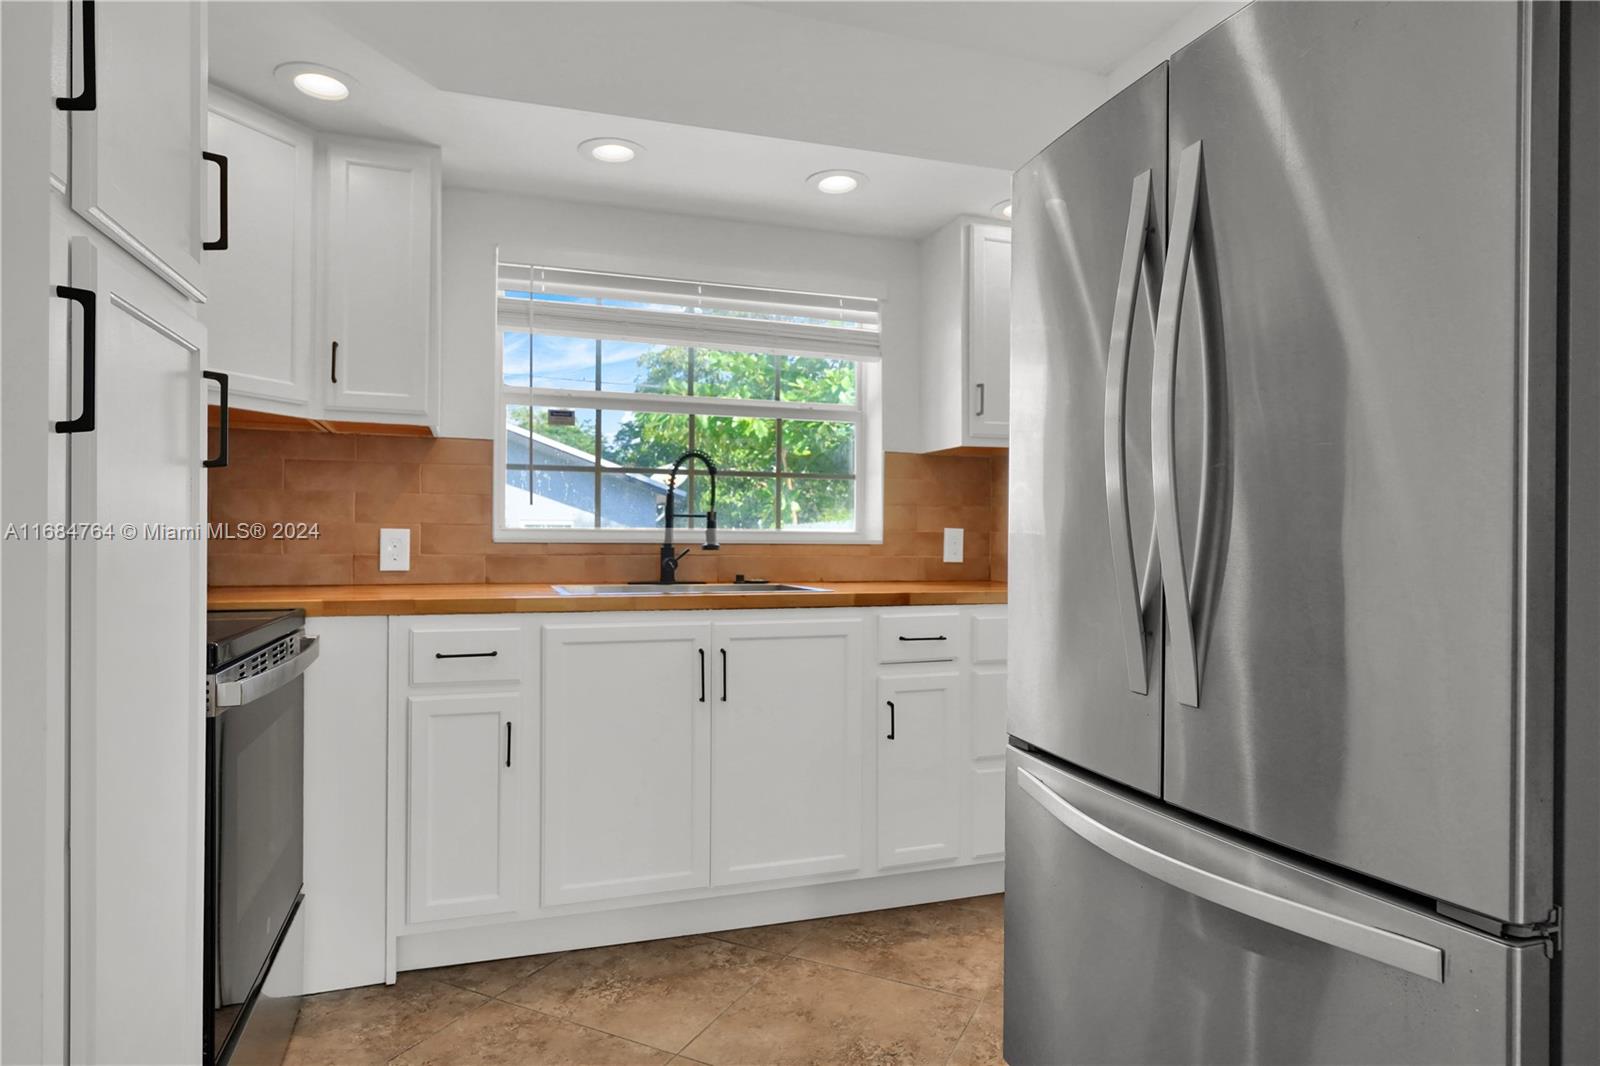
(513, 599)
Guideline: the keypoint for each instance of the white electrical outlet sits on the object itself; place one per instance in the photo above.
(394, 549)
(953, 543)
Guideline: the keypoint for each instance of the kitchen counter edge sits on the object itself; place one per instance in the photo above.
(358, 600)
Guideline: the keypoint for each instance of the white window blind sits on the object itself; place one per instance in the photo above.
(628, 307)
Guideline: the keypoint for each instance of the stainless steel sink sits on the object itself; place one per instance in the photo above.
(680, 589)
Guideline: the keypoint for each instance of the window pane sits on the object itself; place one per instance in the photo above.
(738, 443)
(811, 380)
(530, 438)
(560, 499)
(746, 375)
(643, 438)
(637, 501)
(819, 504)
(819, 447)
(516, 358)
(628, 366)
(742, 502)
(563, 362)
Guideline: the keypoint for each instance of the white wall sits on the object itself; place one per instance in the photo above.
(546, 232)
(1186, 29)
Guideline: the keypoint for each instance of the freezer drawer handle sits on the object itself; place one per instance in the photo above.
(1182, 588)
(1380, 945)
(1141, 265)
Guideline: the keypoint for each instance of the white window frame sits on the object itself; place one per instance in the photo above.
(708, 331)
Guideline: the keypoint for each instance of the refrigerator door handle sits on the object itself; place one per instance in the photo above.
(1183, 658)
(1141, 265)
(1234, 893)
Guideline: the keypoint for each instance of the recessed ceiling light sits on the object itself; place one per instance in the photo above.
(837, 182)
(316, 81)
(610, 149)
(1003, 209)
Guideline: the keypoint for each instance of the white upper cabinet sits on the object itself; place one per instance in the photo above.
(259, 312)
(136, 171)
(989, 333)
(786, 749)
(966, 335)
(379, 253)
(625, 760)
(325, 304)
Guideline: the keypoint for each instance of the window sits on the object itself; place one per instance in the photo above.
(604, 380)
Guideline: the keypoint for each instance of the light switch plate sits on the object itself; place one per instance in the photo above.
(953, 544)
(394, 549)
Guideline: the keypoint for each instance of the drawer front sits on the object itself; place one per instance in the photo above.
(454, 655)
(930, 637)
(989, 638)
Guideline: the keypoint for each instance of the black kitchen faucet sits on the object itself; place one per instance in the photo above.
(669, 558)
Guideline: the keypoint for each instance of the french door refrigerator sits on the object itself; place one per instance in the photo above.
(1285, 422)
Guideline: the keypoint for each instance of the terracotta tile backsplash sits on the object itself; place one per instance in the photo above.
(352, 485)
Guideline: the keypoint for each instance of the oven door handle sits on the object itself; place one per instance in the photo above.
(247, 690)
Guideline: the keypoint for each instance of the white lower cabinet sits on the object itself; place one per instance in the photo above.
(626, 760)
(545, 772)
(786, 749)
(464, 810)
(919, 792)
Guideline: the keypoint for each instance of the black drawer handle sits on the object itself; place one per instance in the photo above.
(221, 243)
(221, 458)
(84, 298)
(891, 719)
(702, 652)
(724, 652)
(465, 654)
(921, 638)
(87, 100)
(508, 745)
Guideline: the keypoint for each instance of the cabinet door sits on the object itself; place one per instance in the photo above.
(462, 809)
(136, 166)
(379, 320)
(989, 332)
(258, 311)
(919, 756)
(786, 749)
(626, 760)
(136, 710)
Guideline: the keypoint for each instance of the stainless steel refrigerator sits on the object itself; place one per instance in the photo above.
(1289, 548)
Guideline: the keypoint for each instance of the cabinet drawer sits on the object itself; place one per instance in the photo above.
(919, 638)
(444, 655)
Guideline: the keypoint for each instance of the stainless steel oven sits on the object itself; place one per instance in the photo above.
(255, 745)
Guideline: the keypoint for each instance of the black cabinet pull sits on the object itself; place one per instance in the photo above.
(921, 638)
(724, 652)
(508, 745)
(221, 243)
(702, 674)
(891, 719)
(84, 298)
(465, 654)
(221, 458)
(333, 368)
(87, 100)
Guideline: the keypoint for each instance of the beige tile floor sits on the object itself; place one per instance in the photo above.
(900, 987)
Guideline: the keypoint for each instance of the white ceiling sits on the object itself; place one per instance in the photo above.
(735, 102)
